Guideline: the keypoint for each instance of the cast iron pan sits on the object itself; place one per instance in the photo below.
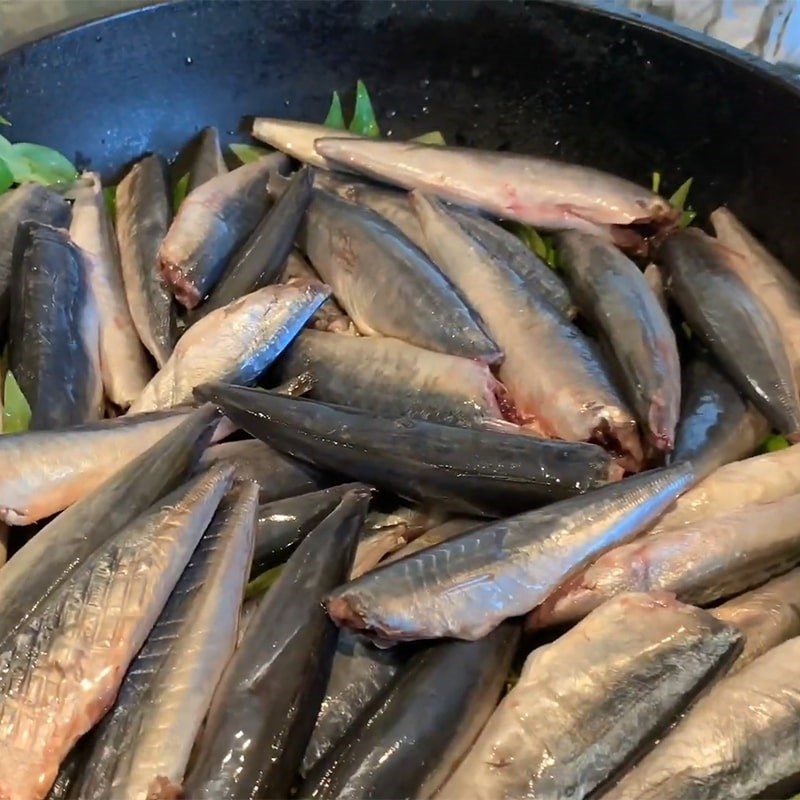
(544, 77)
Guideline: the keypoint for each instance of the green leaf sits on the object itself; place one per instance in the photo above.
(6, 178)
(434, 137)
(656, 182)
(41, 164)
(364, 122)
(542, 246)
(774, 443)
(179, 192)
(678, 200)
(686, 218)
(264, 581)
(335, 118)
(687, 331)
(110, 196)
(247, 153)
(16, 411)
(4, 120)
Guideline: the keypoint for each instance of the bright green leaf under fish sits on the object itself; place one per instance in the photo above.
(4, 120)
(678, 199)
(335, 118)
(264, 581)
(35, 163)
(542, 246)
(656, 182)
(179, 192)
(364, 122)
(434, 137)
(774, 443)
(247, 153)
(16, 411)
(6, 178)
(110, 196)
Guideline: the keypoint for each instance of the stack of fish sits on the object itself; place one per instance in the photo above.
(484, 529)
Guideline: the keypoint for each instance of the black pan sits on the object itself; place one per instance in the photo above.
(595, 87)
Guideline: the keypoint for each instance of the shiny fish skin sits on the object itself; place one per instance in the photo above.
(379, 276)
(210, 224)
(264, 709)
(359, 673)
(61, 673)
(766, 616)
(441, 533)
(296, 139)
(461, 469)
(408, 741)
(27, 202)
(466, 586)
(707, 561)
(277, 475)
(550, 370)
(208, 162)
(715, 417)
(392, 378)
(53, 348)
(260, 259)
(739, 740)
(144, 212)
(534, 274)
(46, 471)
(235, 343)
(38, 568)
(614, 296)
(123, 358)
(530, 189)
(141, 748)
(735, 325)
(602, 690)
(282, 524)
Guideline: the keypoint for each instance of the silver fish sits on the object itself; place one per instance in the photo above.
(615, 297)
(531, 189)
(208, 162)
(296, 139)
(733, 322)
(123, 359)
(142, 747)
(379, 276)
(62, 671)
(433, 536)
(236, 342)
(550, 370)
(144, 212)
(466, 586)
(392, 378)
(586, 704)
(766, 616)
(703, 562)
(740, 741)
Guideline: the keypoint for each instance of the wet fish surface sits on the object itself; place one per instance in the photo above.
(734, 324)
(550, 370)
(392, 378)
(236, 342)
(30, 201)
(208, 162)
(702, 562)
(212, 222)
(264, 709)
(260, 259)
(604, 688)
(378, 276)
(437, 535)
(80, 641)
(53, 348)
(614, 296)
(141, 748)
(467, 585)
(468, 470)
(741, 740)
(296, 139)
(123, 358)
(538, 191)
(144, 212)
(410, 739)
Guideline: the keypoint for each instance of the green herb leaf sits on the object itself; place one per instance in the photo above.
(110, 196)
(678, 200)
(179, 192)
(542, 246)
(687, 331)
(335, 118)
(656, 182)
(774, 443)
(6, 178)
(434, 137)
(16, 411)
(39, 164)
(686, 218)
(263, 582)
(247, 153)
(364, 122)
(4, 120)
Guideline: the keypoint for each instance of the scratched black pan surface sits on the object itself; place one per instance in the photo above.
(544, 77)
